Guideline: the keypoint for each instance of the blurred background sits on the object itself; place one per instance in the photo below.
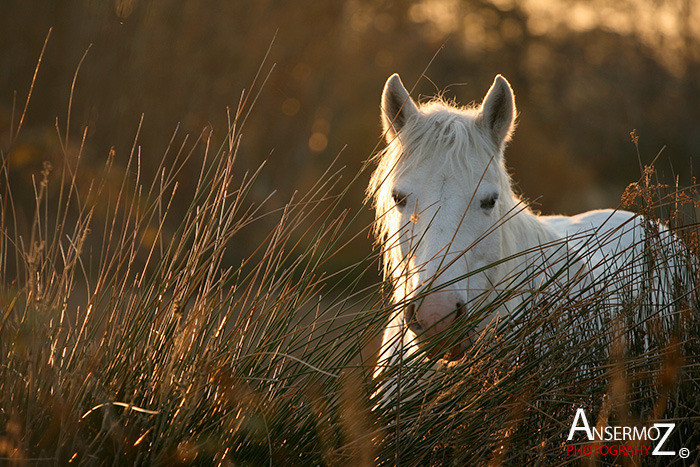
(585, 74)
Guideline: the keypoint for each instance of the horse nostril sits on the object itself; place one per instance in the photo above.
(410, 311)
(459, 310)
(410, 318)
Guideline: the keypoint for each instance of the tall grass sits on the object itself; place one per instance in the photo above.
(125, 341)
(145, 346)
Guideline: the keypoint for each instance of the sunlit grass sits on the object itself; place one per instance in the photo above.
(150, 348)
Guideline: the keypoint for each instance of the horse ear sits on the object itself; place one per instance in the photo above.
(497, 112)
(397, 106)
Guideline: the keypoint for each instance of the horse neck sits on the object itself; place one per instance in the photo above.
(526, 232)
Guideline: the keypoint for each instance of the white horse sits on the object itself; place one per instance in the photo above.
(455, 237)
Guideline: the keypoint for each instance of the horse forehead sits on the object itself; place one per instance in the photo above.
(444, 169)
(431, 171)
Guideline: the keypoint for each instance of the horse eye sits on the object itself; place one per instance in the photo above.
(399, 198)
(489, 202)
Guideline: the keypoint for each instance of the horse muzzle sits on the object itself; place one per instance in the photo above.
(434, 319)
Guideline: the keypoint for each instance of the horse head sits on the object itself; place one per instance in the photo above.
(440, 192)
